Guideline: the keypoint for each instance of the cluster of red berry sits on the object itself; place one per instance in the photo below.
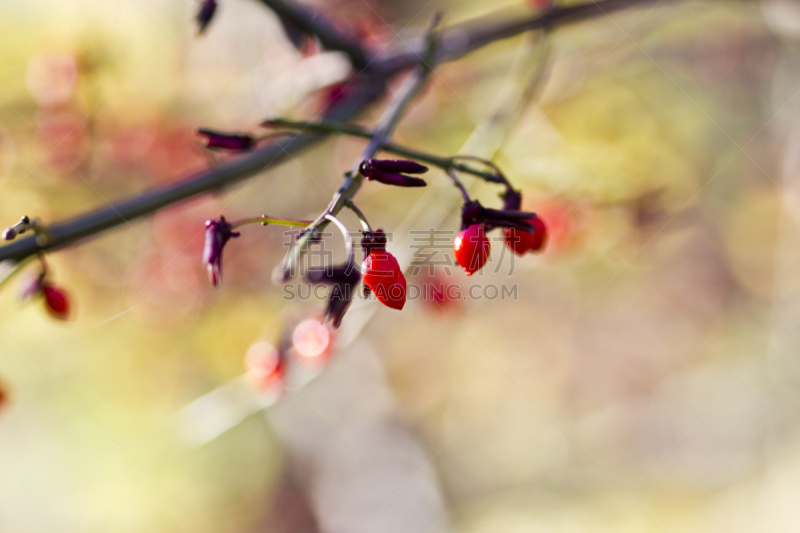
(380, 271)
(523, 233)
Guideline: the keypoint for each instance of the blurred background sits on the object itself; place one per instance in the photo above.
(645, 377)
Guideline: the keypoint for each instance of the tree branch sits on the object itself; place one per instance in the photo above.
(455, 42)
(313, 22)
(463, 38)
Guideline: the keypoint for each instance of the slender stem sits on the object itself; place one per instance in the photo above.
(459, 185)
(466, 37)
(497, 172)
(359, 214)
(348, 239)
(265, 221)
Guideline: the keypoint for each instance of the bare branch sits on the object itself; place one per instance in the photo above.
(455, 42)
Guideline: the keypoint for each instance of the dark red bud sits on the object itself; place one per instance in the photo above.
(205, 14)
(392, 165)
(226, 141)
(398, 180)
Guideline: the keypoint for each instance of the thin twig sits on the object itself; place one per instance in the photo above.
(353, 179)
(348, 239)
(353, 130)
(459, 185)
(360, 214)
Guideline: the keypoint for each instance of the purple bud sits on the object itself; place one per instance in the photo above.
(206, 13)
(218, 233)
(226, 141)
(398, 180)
(391, 165)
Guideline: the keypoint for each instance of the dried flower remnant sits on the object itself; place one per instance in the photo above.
(343, 281)
(218, 233)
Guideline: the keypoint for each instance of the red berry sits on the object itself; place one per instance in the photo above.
(472, 249)
(383, 276)
(521, 242)
(56, 301)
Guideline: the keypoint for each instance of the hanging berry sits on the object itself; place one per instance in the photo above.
(381, 272)
(56, 301)
(518, 241)
(472, 249)
(522, 242)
